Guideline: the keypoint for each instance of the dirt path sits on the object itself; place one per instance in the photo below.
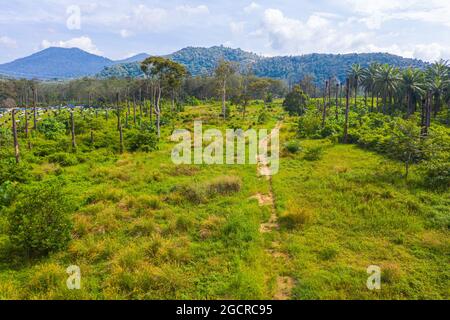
(284, 285)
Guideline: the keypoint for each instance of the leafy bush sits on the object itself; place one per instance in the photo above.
(142, 140)
(293, 146)
(295, 217)
(52, 128)
(38, 219)
(224, 185)
(10, 171)
(313, 154)
(295, 102)
(436, 174)
(63, 158)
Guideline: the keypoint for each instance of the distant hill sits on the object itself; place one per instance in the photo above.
(56, 63)
(60, 63)
(136, 58)
(202, 61)
(198, 61)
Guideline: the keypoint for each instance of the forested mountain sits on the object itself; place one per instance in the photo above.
(202, 61)
(61, 63)
(56, 63)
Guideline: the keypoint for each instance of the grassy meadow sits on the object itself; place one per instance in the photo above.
(145, 228)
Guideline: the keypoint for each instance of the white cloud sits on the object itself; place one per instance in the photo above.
(201, 9)
(124, 33)
(83, 43)
(375, 12)
(237, 27)
(8, 42)
(431, 52)
(252, 7)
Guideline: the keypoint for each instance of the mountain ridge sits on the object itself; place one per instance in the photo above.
(63, 64)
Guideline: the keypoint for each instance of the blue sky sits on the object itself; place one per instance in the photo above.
(120, 28)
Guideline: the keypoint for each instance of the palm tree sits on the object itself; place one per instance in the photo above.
(413, 83)
(368, 80)
(438, 78)
(355, 75)
(387, 80)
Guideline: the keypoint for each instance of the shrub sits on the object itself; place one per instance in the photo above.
(52, 128)
(10, 171)
(436, 174)
(293, 146)
(64, 159)
(313, 154)
(295, 217)
(141, 140)
(224, 185)
(38, 219)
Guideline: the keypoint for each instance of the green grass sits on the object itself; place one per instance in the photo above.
(148, 229)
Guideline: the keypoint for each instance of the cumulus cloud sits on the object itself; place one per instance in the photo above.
(431, 52)
(252, 7)
(315, 34)
(84, 43)
(8, 42)
(375, 12)
(201, 9)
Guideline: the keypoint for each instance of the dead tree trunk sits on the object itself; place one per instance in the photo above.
(34, 109)
(134, 109)
(72, 121)
(324, 113)
(347, 107)
(224, 98)
(158, 111)
(337, 101)
(14, 131)
(119, 124)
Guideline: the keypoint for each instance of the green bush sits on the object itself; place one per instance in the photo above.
(313, 154)
(63, 158)
(52, 128)
(293, 146)
(141, 140)
(39, 219)
(436, 174)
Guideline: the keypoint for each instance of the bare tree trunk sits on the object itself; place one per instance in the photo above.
(224, 94)
(14, 131)
(158, 111)
(34, 109)
(337, 101)
(72, 121)
(134, 109)
(119, 124)
(347, 107)
(324, 111)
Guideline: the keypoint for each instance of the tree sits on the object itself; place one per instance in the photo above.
(296, 101)
(355, 75)
(368, 81)
(42, 225)
(258, 89)
(387, 80)
(438, 79)
(224, 70)
(406, 138)
(165, 74)
(413, 85)
(347, 107)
